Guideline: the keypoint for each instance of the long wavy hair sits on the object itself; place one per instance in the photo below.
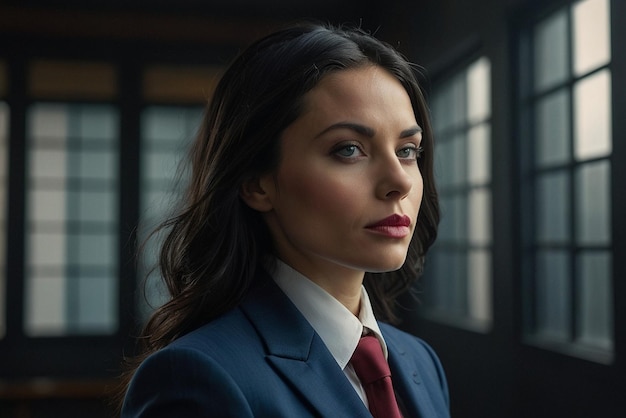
(215, 244)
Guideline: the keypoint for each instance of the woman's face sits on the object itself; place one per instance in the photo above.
(346, 193)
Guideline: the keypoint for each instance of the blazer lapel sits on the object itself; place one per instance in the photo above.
(298, 354)
(409, 383)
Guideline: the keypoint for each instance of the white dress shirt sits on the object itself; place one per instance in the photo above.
(338, 328)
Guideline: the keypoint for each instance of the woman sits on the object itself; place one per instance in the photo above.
(311, 176)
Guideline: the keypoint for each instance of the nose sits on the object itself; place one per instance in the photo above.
(395, 178)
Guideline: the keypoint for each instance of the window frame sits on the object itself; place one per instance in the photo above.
(525, 99)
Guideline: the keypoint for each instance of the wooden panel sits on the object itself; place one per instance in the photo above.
(72, 80)
(170, 84)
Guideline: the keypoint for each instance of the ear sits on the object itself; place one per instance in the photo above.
(257, 193)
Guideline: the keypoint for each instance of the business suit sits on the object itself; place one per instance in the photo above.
(263, 359)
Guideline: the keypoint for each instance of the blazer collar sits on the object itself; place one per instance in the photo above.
(297, 353)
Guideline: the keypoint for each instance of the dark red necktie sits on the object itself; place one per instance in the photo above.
(373, 371)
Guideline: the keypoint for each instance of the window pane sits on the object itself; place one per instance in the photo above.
(552, 138)
(449, 290)
(45, 306)
(454, 218)
(95, 248)
(452, 103)
(551, 61)
(479, 285)
(593, 220)
(457, 162)
(71, 219)
(596, 300)
(479, 90)
(479, 222)
(4, 162)
(553, 208)
(479, 154)
(592, 46)
(592, 116)
(553, 302)
(96, 305)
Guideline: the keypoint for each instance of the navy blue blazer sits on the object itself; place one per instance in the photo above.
(263, 359)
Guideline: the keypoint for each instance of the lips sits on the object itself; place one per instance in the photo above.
(394, 226)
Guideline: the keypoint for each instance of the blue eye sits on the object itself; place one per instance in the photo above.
(348, 151)
(409, 153)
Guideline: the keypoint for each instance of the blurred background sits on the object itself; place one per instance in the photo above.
(523, 296)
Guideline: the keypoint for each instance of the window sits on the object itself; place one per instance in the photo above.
(71, 220)
(458, 273)
(566, 111)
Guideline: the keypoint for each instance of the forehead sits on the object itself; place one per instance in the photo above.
(358, 91)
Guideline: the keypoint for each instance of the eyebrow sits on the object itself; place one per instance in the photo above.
(367, 131)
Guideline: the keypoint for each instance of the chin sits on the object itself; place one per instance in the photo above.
(386, 267)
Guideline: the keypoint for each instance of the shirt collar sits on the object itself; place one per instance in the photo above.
(338, 328)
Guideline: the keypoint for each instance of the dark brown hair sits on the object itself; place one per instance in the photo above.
(216, 243)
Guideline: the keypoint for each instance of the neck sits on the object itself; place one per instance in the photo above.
(345, 287)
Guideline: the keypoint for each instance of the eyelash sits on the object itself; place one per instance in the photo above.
(416, 152)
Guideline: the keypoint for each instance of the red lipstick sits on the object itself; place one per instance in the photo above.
(394, 226)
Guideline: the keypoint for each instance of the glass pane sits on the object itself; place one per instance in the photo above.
(49, 122)
(479, 285)
(479, 90)
(457, 160)
(595, 324)
(94, 249)
(553, 208)
(553, 302)
(449, 291)
(46, 248)
(46, 301)
(479, 154)
(593, 219)
(96, 164)
(97, 305)
(592, 28)
(71, 216)
(552, 137)
(551, 60)
(479, 217)
(171, 127)
(95, 206)
(47, 205)
(47, 163)
(438, 106)
(454, 218)
(161, 165)
(4, 162)
(96, 124)
(592, 116)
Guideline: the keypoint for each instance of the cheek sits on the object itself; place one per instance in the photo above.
(417, 191)
(317, 191)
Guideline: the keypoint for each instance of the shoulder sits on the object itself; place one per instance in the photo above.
(200, 372)
(403, 341)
